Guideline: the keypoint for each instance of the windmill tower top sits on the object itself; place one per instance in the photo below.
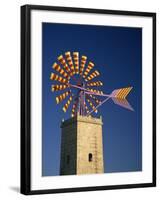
(80, 118)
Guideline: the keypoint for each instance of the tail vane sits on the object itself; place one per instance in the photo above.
(119, 97)
(121, 93)
(123, 102)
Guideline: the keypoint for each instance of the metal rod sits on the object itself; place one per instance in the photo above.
(88, 91)
(95, 93)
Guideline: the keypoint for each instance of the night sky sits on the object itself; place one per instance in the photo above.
(117, 55)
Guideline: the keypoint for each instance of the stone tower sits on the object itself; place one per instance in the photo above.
(81, 146)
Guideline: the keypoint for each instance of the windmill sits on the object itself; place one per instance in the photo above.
(78, 80)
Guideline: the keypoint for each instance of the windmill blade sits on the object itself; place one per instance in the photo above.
(97, 83)
(121, 93)
(82, 65)
(123, 102)
(86, 107)
(95, 98)
(59, 87)
(96, 91)
(93, 75)
(74, 108)
(60, 70)
(91, 104)
(61, 97)
(76, 61)
(88, 69)
(55, 77)
(64, 64)
(65, 107)
(70, 62)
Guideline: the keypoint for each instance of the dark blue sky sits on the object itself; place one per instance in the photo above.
(117, 54)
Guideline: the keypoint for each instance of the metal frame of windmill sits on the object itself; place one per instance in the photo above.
(79, 83)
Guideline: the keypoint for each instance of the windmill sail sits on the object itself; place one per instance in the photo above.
(64, 64)
(76, 61)
(91, 104)
(88, 69)
(95, 99)
(59, 87)
(96, 83)
(60, 70)
(74, 107)
(93, 75)
(61, 97)
(65, 107)
(95, 91)
(82, 65)
(55, 77)
(70, 61)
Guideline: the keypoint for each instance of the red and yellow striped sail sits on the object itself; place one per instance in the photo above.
(55, 77)
(92, 105)
(82, 65)
(60, 70)
(97, 83)
(95, 99)
(70, 62)
(76, 61)
(64, 64)
(61, 97)
(93, 75)
(87, 110)
(74, 109)
(65, 107)
(95, 91)
(59, 87)
(88, 69)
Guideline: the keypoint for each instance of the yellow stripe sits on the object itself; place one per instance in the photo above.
(125, 93)
(84, 57)
(129, 89)
(68, 102)
(68, 53)
(122, 93)
(119, 93)
(57, 100)
(60, 57)
(91, 104)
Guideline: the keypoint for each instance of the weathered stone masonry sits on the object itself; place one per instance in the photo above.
(81, 146)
